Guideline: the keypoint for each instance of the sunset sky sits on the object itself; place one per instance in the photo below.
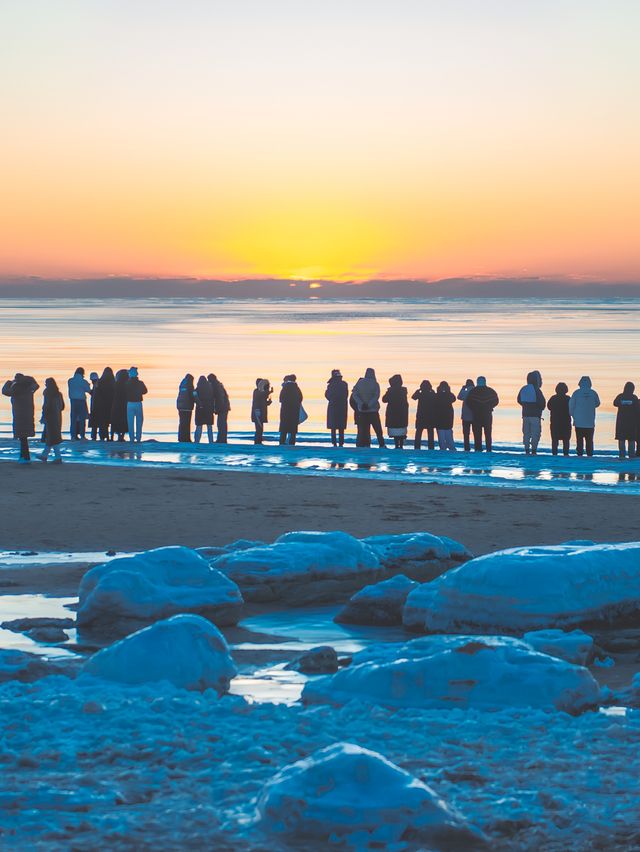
(329, 139)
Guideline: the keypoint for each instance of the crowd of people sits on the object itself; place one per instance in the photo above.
(111, 407)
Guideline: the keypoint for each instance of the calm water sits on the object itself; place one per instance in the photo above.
(240, 341)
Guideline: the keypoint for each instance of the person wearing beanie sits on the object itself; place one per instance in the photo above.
(558, 405)
(136, 389)
(337, 396)
(482, 399)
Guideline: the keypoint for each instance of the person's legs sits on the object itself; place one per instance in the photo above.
(466, 433)
(334, 437)
(477, 436)
(257, 438)
(44, 455)
(131, 419)
(451, 444)
(292, 437)
(622, 448)
(565, 446)
(283, 436)
(536, 432)
(431, 437)
(82, 418)
(222, 427)
(210, 434)
(526, 435)
(197, 435)
(442, 439)
(417, 441)
(554, 446)
(579, 440)
(364, 430)
(377, 428)
(488, 433)
(341, 437)
(25, 455)
(589, 440)
(184, 427)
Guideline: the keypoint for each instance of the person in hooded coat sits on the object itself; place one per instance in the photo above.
(558, 405)
(290, 403)
(532, 403)
(204, 400)
(445, 416)
(78, 388)
(52, 408)
(627, 420)
(185, 403)
(425, 414)
(94, 379)
(365, 400)
(119, 423)
(21, 390)
(481, 400)
(221, 407)
(260, 403)
(102, 402)
(337, 396)
(396, 417)
(466, 414)
(582, 407)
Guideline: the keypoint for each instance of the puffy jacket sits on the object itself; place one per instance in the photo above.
(583, 404)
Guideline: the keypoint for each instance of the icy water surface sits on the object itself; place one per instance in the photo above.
(240, 341)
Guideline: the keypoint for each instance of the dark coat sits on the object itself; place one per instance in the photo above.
(260, 402)
(21, 392)
(136, 389)
(627, 416)
(119, 424)
(426, 410)
(204, 403)
(482, 399)
(558, 405)
(290, 402)
(444, 409)
(337, 394)
(52, 408)
(221, 404)
(397, 413)
(102, 401)
(185, 399)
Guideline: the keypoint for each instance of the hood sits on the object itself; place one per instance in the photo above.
(585, 383)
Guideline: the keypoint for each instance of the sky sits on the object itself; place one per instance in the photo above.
(320, 139)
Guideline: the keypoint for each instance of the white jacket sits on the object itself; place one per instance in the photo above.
(583, 404)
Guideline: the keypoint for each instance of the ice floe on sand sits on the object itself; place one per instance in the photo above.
(378, 604)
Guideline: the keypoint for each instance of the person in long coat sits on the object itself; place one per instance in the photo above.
(52, 408)
(102, 402)
(260, 402)
(185, 403)
(119, 424)
(444, 416)
(337, 396)
(365, 398)
(204, 409)
(21, 390)
(561, 428)
(466, 414)
(396, 417)
(425, 414)
(221, 407)
(627, 420)
(290, 403)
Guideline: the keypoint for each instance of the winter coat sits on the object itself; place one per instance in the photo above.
(290, 402)
(102, 401)
(481, 400)
(426, 410)
(337, 394)
(260, 402)
(119, 423)
(21, 392)
(444, 409)
(463, 396)
(397, 413)
(583, 404)
(531, 398)
(185, 399)
(627, 416)
(52, 408)
(78, 387)
(558, 405)
(136, 389)
(366, 395)
(204, 403)
(221, 404)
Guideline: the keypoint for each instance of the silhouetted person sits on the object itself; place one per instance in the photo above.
(532, 403)
(78, 387)
(94, 379)
(102, 403)
(582, 407)
(290, 402)
(396, 417)
(627, 420)
(185, 402)
(425, 414)
(260, 403)
(221, 407)
(466, 414)
(481, 401)
(136, 389)
(445, 416)
(337, 396)
(204, 409)
(21, 390)
(558, 405)
(52, 408)
(365, 398)
(119, 422)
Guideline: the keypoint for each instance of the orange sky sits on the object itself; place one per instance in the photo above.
(320, 139)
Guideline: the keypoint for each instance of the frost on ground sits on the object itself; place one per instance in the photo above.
(532, 588)
(100, 766)
(123, 594)
(459, 672)
(305, 567)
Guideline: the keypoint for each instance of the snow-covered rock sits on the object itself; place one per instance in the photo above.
(185, 650)
(347, 794)
(126, 593)
(311, 567)
(320, 660)
(378, 604)
(526, 589)
(574, 647)
(25, 667)
(459, 672)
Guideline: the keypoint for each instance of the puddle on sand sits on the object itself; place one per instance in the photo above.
(34, 606)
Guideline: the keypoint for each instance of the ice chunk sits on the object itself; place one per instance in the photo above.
(574, 647)
(378, 604)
